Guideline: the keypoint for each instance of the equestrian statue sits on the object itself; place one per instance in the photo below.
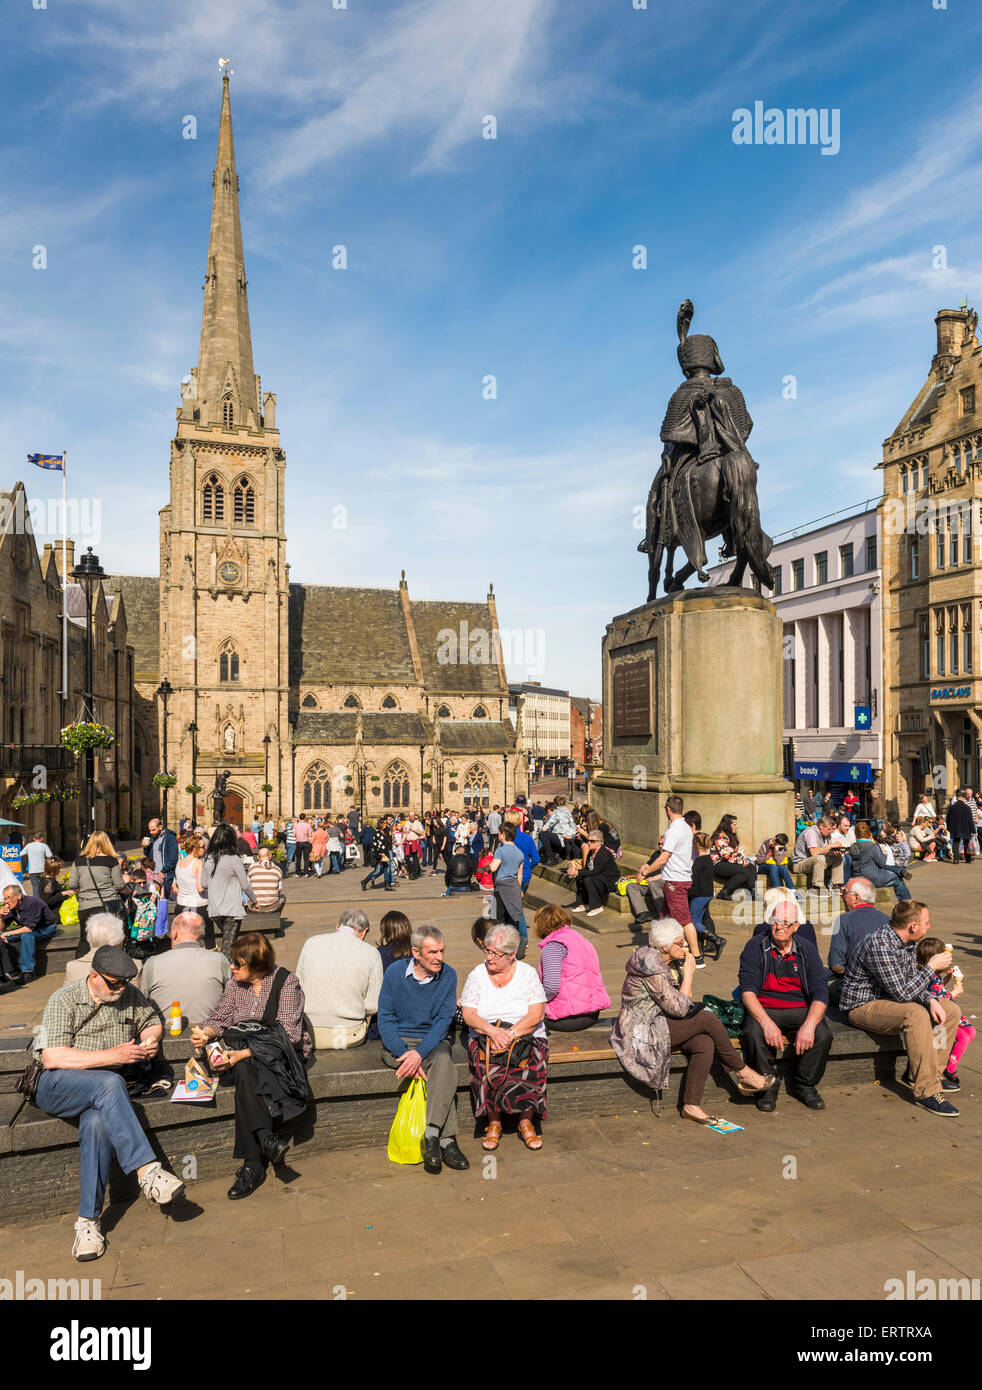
(707, 483)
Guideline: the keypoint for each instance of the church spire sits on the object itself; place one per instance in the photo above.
(226, 389)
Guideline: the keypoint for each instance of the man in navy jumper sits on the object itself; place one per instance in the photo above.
(416, 1007)
(784, 990)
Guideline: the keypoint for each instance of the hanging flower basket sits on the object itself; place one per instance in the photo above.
(68, 793)
(25, 799)
(266, 788)
(192, 789)
(81, 736)
(164, 780)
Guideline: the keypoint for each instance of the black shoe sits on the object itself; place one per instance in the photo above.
(724, 897)
(643, 918)
(700, 963)
(809, 1097)
(390, 890)
(452, 1156)
(247, 1179)
(28, 976)
(949, 1082)
(713, 943)
(432, 1162)
(767, 1100)
(15, 978)
(275, 1149)
(364, 885)
(937, 1105)
(908, 1078)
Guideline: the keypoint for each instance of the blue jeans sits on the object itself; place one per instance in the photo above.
(779, 875)
(697, 907)
(899, 887)
(335, 862)
(27, 941)
(387, 871)
(107, 1125)
(291, 850)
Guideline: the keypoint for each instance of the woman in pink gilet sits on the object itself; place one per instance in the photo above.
(570, 973)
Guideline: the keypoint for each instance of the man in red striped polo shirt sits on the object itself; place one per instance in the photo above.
(784, 989)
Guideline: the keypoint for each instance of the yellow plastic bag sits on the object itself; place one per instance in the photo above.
(68, 912)
(409, 1125)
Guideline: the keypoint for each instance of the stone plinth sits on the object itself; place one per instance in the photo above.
(693, 707)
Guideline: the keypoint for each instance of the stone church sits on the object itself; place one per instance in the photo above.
(330, 697)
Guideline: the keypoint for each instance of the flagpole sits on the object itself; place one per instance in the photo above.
(64, 585)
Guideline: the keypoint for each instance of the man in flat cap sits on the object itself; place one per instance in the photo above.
(90, 1030)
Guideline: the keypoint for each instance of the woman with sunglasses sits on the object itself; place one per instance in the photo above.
(258, 992)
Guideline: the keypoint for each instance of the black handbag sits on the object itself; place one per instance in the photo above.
(27, 1082)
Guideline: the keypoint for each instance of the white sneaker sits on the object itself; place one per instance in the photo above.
(595, 911)
(90, 1243)
(159, 1186)
(580, 908)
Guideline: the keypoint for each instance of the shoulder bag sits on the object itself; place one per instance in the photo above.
(27, 1083)
(516, 1054)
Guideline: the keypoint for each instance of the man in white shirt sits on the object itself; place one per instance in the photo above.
(340, 975)
(675, 863)
(36, 852)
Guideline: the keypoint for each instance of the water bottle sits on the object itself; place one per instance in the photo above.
(176, 1027)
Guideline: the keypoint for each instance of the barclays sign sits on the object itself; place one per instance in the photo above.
(951, 692)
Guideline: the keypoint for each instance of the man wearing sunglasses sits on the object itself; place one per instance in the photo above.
(90, 1030)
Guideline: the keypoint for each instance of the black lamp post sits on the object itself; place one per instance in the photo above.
(266, 742)
(165, 690)
(422, 750)
(505, 798)
(88, 572)
(193, 730)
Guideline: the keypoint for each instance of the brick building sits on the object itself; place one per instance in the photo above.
(331, 696)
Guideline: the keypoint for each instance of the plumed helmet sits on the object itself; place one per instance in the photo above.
(697, 350)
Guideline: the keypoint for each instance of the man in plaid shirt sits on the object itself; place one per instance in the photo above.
(90, 1029)
(885, 991)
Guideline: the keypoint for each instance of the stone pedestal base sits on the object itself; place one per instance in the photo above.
(692, 688)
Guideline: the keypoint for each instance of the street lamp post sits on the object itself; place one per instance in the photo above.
(193, 730)
(422, 750)
(88, 572)
(505, 797)
(266, 742)
(165, 690)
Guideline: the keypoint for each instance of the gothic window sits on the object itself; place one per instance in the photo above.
(228, 411)
(903, 477)
(477, 787)
(443, 712)
(308, 702)
(213, 499)
(395, 786)
(389, 703)
(244, 503)
(352, 702)
(480, 713)
(228, 662)
(924, 473)
(316, 793)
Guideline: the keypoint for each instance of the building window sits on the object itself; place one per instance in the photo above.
(904, 480)
(244, 503)
(797, 574)
(395, 786)
(228, 662)
(481, 713)
(228, 411)
(953, 541)
(444, 711)
(822, 567)
(351, 702)
(966, 637)
(915, 558)
(871, 552)
(941, 543)
(777, 581)
(939, 640)
(316, 794)
(845, 561)
(967, 535)
(308, 702)
(477, 787)
(213, 499)
(966, 399)
(389, 702)
(925, 476)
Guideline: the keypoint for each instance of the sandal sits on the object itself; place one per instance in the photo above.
(492, 1136)
(530, 1139)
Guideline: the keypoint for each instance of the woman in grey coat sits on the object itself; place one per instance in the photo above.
(224, 880)
(656, 1018)
(98, 880)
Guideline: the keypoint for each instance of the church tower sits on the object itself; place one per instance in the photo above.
(224, 589)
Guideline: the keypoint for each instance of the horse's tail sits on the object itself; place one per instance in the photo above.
(748, 536)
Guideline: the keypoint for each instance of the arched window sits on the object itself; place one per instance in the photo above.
(904, 479)
(389, 702)
(924, 473)
(443, 712)
(228, 662)
(316, 794)
(213, 499)
(477, 786)
(228, 411)
(395, 786)
(352, 702)
(480, 713)
(244, 503)
(308, 702)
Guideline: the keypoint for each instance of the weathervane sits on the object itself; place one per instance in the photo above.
(224, 69)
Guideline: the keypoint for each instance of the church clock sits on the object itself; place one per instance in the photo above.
(229, 572)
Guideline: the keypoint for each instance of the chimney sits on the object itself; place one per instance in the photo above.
(56, 547)
(951, 332)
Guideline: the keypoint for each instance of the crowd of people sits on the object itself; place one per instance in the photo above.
(261, 1023)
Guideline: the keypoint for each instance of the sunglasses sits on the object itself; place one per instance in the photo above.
(113, 984)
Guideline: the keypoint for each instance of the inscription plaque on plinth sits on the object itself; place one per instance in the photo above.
(632, 699)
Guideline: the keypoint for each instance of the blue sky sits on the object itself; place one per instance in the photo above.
(469, 257)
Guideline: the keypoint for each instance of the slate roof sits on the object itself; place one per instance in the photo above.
(141, 597)
(460, 677)
(354, 636)
(477, 737)
(340, 727)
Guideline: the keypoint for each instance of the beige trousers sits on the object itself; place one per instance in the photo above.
(337, 1039)
(928, 1045)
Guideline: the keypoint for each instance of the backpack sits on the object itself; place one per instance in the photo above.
(144, 918)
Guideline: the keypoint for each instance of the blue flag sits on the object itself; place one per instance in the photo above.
(55, 461)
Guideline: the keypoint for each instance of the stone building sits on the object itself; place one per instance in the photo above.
(329, 696)
(932, 571)
(544, 716)
(32, 759)
(586, 723)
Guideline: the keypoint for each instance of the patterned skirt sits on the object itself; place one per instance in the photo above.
(511, 1090)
